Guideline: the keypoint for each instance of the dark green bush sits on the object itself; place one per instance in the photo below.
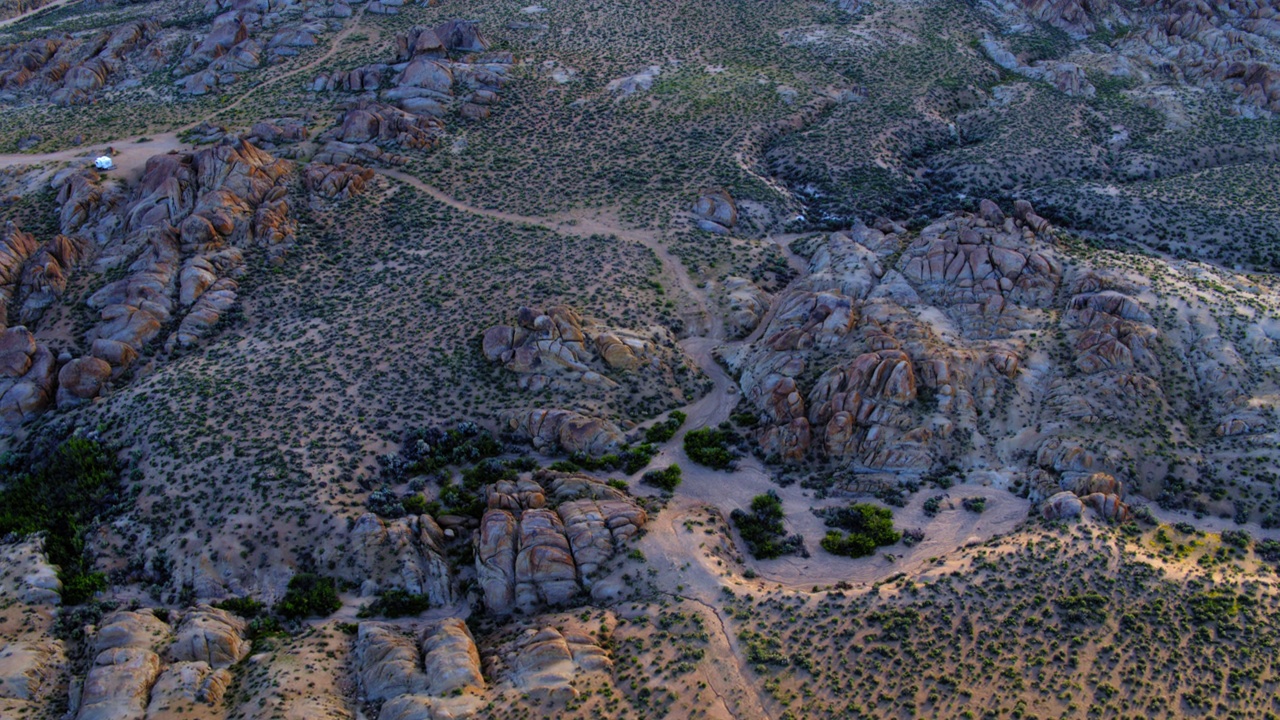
(707, 446)
(762, 528)
(1238, 538)
(666, 479)
(933, 505)
(1087, 607)
(866, 527)
(396, 603)
(245, 607)
(60, 495)
(665, 430)
(309, 595)
(415, 504)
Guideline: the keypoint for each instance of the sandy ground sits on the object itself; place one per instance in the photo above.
(130, 155)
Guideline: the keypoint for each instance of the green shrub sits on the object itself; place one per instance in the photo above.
(415, 504)
(665, 430)
(245, 607)
(866, 527)
(1087, 607)
(1238, 538)
(396, 603)
(666, 479)
(707, 446)
(60, 495)
(933, 505)
(762, 529)
(974, 504)
(309, 595)
(263, 627)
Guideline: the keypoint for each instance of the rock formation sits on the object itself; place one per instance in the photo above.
(548, 657)
(898, 353)
(437, 71)
(72, 69)
(404, 553)
(529, 555)
(564, 430)
(559, 348)
(436, 676)
(716, 212)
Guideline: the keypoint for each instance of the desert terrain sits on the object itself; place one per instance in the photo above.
(427, 360)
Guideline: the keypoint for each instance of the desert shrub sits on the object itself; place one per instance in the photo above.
(414, 504)
(1087, 607)
(431, 448)
(1269, 550)
(895, 624)
(487, 471)
(933, 505)
(245, 607)
(60, 495)
(707, 446)
(396, 603)
(974, 504)
(1217, 607)
(631, 460)
(384, 502)
(838, 543)
(263, 627)
(867, 526)
(666, 479)
(762, 530)
(309, 595)
(665, 430)
(1238, 538)
(458, 499)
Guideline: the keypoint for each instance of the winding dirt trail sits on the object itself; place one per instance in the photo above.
(703, 486)
(23, 16)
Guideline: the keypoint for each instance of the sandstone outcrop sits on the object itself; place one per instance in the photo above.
(548, 657)
(1062, 506)
(438, 71)
(342, 181)
(437, 676)
(560, 349)
(450, 659)
(716, 212)
(29, 670)
(538, 549)
(244, 36)
(900, 352)
(211, 636)
(119, 684)
(73, 69)
(184, 231)
(189, 691)
(1230, 45)
(29, 578)
(564, 430)
(125, 667)
(747, 305)
(28, 377)
(404, 553)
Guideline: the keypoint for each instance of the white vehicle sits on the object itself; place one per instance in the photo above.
(104, 163)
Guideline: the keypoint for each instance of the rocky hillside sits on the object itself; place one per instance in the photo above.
(409, 360)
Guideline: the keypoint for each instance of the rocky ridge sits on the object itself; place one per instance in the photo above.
(543, 539)
(983, 341)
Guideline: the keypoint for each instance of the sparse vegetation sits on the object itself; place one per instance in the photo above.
(762, 529)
